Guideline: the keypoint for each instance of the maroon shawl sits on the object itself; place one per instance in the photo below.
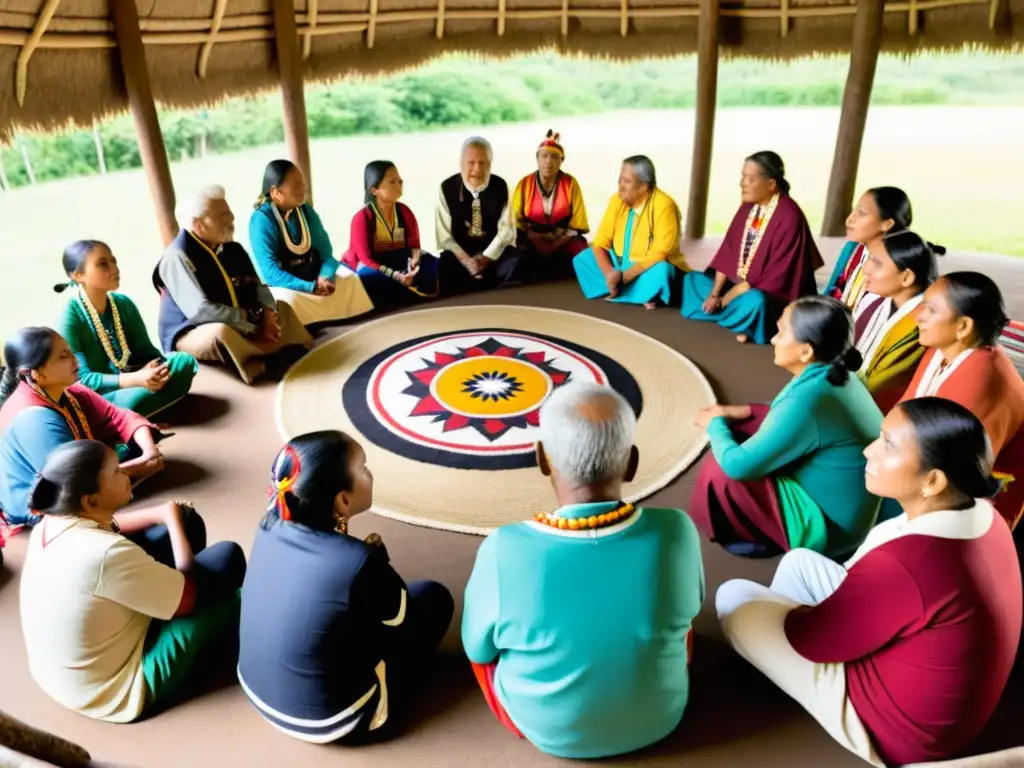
(786, 259)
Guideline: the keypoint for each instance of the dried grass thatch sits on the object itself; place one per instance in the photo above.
(59, 63)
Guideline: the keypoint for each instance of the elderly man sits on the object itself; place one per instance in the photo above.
(578, 621)
(214, 306)
(475, 233)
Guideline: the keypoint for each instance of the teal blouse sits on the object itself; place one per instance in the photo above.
(266, 240)
(811, 444)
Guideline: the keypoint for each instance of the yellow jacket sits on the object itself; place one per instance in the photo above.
(656, 231)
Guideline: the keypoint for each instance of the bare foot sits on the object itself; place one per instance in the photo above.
(743, 338)
(650, 305)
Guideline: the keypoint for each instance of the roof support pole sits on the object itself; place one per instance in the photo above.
(867, 38)
(289, 68)
(704, 126)
(125, 17)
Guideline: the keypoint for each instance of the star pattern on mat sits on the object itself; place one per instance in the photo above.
(490, 386)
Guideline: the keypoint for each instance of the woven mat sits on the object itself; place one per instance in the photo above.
(445, 403)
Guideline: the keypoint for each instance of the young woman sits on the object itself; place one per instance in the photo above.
(896, 274)
(792, 474)
(109, 338)
(879, 211)
(331, 636)
(635, 256)
(384, 248)
(917, 681)
(123, 613)
(293, 252)
(959, 324)
(42, 406)
(767, 259)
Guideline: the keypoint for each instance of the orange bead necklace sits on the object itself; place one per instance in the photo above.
(603, 520)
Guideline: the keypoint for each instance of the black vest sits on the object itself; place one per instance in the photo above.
(460, 204)
(236, 262)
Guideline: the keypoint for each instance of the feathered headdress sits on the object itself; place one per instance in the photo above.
(551, 141)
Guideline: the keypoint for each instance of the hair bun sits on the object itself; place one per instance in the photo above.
(61, 287)
(43, 495)
(852, 359)
(938, 250)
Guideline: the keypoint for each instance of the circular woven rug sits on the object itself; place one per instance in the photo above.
(446, 403)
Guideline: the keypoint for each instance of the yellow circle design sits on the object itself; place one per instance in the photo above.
(502, 386)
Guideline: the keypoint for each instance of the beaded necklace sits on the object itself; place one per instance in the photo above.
(757, 224)
(78, 423)
(300, 248)
(603, 520)
(120, 362)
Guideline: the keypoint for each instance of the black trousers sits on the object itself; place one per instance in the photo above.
(503, 272)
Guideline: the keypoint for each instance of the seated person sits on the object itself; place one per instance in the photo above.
(384, 245)
(578, 622)
(902, 653)
(896, 274)
(109, 338)
(550, 215)
(766, 261)
(475, 233)
(42, 406)
(879, 211)
(959, 324)
(123, 613)
(213, 304)
(357, 635)
(792, 475)
(635, 256)
(293, 253)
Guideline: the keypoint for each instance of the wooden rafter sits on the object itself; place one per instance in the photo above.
(29, 47)
(218, 18)
(312, 11)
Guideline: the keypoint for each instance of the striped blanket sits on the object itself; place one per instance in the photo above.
(1012, 340)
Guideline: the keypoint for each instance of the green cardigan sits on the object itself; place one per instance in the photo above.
(811, 444)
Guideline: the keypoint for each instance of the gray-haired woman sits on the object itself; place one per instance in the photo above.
(634, 257)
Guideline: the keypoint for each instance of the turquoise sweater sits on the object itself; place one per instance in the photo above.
(589, 631)
(266, 241)
(815, 434)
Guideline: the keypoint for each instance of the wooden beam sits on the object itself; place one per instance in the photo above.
(867, 38)
(704, 126)
(289, 67)
(132, 54)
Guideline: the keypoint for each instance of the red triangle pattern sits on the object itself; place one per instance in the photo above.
(475, 352)
(443, 358)
(428, 405)
(533, 418)
(494, 426)
(425, 376)
(558, 378)
(455, 421)
(505, 352)
(535, 357)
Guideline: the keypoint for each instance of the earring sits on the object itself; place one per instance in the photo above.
(341, 526)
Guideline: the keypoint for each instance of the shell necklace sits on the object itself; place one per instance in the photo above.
(300, 248)
(757, 223)
(119, 362)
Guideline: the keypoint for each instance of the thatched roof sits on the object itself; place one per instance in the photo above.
(58, 61)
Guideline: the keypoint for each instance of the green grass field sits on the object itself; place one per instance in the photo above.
(960, 166)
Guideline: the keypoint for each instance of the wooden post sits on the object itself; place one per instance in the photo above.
(125, 16)
(867, 38)
(289, 67)
(704, 126)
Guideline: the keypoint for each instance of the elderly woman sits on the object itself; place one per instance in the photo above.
(792, 475)
(213, 304)
(384, 247)
(635, 256)
(123, 613)
(550, 215)
(916, 681)
(293, 253)
(42, 406)
(879, 211)
(959, 324)
(109, 338)
(766, 261)
(474, 230)
(898, 270)
(356, 634)
(586, 671)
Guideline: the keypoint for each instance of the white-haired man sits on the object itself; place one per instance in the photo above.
(578, 621)
(475, 233)
(213, 304)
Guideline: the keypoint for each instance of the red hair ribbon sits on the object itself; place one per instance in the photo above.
(285, 484)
